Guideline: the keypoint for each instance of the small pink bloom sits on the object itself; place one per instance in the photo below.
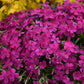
(77, 75)
(42, 64)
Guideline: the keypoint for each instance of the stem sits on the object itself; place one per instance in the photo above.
(77, 40)
(1, 69)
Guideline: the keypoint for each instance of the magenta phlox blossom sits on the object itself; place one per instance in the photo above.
(42, 64)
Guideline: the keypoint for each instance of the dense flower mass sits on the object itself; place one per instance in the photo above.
(43, 46)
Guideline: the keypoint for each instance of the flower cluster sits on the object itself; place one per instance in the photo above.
(43, 45)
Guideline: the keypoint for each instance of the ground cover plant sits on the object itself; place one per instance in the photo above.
(43, 46)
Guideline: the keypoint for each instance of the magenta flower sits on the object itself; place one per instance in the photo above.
(52, 81)
(77, 75)
(8, 76)
(81, 57)
(66, 80)
(6, 53)
(36, 82)
(42, 64)
(69, 46)
(82, 51)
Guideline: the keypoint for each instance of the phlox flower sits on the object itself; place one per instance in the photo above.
(77, 75)
(42, 65)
